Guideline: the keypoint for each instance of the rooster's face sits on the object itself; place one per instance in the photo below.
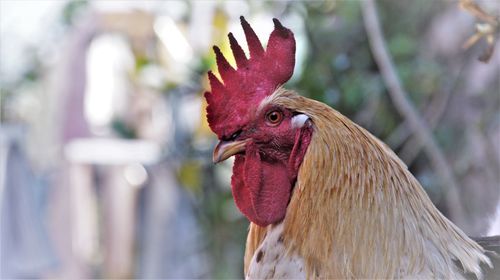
(272, 132)
(269, 141)
(269, 150)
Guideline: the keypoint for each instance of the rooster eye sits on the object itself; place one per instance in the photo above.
(274, 117)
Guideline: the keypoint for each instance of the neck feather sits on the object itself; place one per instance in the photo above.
(357, 211)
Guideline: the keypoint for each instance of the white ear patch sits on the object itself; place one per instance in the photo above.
(299, 120)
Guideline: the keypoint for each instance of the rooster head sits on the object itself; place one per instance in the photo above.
(269, 141)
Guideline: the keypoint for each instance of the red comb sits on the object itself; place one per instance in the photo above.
(231, 101)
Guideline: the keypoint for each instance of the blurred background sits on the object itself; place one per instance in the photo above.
(105, 153)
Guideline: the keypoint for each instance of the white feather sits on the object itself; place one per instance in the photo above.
(271, 260)
(299, 120)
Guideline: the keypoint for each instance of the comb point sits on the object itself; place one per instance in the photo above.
(215, 83)
(253, 41)
(225, 69)
(238, 53)
(277, 24)
(216, 49)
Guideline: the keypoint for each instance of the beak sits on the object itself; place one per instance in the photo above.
(226, 149)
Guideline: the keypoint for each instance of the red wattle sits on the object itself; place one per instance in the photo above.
(262, 189)
(263, 192)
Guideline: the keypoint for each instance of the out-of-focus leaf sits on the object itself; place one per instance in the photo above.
(123, 130)
(72, 9)
(190, 175)
(349, 11)
(352, 91)
(402, 45)
(141, 61)
(386, 118)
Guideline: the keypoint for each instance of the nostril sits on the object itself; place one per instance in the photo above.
(232, 137)
(235, 135)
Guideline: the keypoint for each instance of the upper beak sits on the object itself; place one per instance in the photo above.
(226, 149)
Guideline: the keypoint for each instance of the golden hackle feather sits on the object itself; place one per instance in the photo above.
(357, 212)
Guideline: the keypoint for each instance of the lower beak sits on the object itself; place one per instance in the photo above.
(226, 149)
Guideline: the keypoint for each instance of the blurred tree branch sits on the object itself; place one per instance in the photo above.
(435, 111)
(408, 111)
(487, 29)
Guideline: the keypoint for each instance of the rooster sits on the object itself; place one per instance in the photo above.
(325, 198)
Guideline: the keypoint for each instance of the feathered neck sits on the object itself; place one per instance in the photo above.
(357, 212)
